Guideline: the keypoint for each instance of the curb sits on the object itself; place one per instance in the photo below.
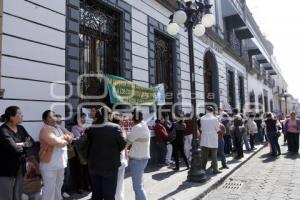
(219, 182)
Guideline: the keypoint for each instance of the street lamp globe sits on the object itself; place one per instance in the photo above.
(282, 99)
(173, 28)
(208, 20)
(199, 30)
(179, 17)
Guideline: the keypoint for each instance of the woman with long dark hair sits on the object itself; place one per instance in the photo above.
(14, 143)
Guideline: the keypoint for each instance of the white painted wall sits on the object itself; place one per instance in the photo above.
(33, 57)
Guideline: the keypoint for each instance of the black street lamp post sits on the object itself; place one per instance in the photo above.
(195, 16)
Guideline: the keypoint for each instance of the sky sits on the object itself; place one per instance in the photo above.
(279, 21)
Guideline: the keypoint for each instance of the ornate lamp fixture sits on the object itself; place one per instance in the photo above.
(193, 14)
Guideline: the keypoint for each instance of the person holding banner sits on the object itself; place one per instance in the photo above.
(139, 154)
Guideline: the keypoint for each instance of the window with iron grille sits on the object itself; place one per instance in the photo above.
(231, 88)
(208, 79)
(164, 63)
(99, 44)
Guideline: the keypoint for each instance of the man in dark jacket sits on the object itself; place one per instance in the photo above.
(105, 145)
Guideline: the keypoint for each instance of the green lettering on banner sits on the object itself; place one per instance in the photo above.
(124, 91)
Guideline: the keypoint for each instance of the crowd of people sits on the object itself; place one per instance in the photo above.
(222, 134)
(94, 158)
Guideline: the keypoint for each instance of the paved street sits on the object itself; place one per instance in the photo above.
(263, 178)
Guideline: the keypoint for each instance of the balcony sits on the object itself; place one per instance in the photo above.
(271, 82)
(263, 75)
(233, 41)
(254, 67)
(246, 15)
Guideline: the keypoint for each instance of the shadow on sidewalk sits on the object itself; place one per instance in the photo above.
(269, 159)
(163, 175)
(184, 185)
(233, 161)
(291, 156)
(266, 155)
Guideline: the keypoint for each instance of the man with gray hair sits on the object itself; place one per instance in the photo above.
(209, 139)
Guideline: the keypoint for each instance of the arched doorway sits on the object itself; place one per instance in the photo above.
(211, 80)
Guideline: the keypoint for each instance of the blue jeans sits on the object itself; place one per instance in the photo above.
(246, 141)
(137, 168)
(221, 152)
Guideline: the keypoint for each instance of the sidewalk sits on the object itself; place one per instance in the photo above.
(264, 177)
(164, 183)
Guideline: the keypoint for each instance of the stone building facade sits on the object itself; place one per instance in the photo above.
(46, 45)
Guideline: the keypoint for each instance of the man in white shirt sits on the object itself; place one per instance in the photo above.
(209, 139)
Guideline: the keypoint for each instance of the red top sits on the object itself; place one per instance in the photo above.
(189, 127)
(161, 134)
